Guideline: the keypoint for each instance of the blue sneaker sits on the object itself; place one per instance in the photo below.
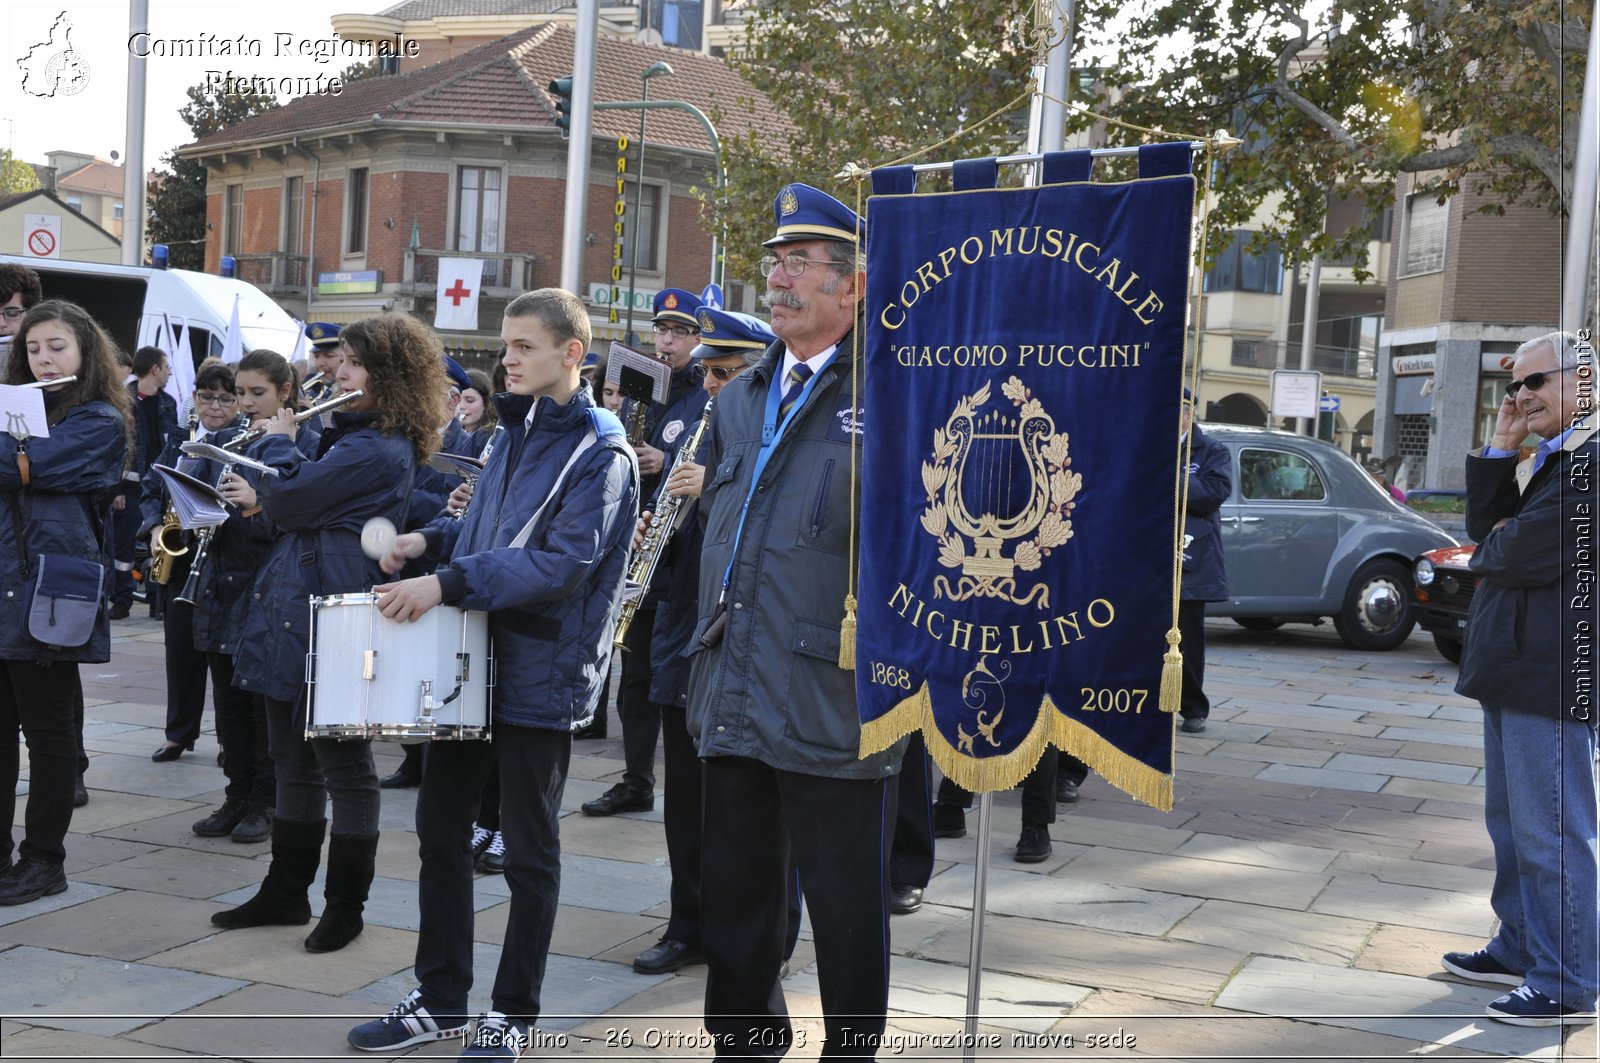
(1479, 967)
(1529, 1007)
(497, 1036)
(408, 1024)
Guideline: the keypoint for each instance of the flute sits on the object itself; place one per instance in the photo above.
(244, 439)
(48, 383)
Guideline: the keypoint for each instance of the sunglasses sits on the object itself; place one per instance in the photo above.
(1534, 381)
(725, 372)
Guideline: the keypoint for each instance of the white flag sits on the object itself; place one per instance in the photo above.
(457, 298)
(302, 346)
(180, 382)
(233, 343)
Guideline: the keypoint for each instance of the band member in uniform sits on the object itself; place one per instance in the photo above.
(773, 714)
(54, 493)
(729, 344)
(544, 548)
(319, 505)
(155, 425)
(321, 384)
(668, 424)
(215, 406)
(265, 383)
(476, 412)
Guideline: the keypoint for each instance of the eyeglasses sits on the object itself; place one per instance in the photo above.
(793, 265)
(202, 398)
(677, 331)
(725, 372)
(1535, 381)
(11, 313)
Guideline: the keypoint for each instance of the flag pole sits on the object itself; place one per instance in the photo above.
(1046, 133)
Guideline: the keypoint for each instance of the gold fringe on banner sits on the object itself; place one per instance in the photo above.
(982, 775)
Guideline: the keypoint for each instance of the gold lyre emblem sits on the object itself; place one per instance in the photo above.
(788, 202)
(998, 480)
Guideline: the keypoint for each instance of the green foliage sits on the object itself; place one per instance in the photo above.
(867, 82)
(1485, 91)
(176, 198)
(15, 175)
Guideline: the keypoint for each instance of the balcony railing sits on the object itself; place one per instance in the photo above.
(506, 274)
(277, 273)
(1335, 361)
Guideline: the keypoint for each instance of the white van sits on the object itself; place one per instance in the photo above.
(128, 301)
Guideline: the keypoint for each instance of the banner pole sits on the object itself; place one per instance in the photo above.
(980, 893)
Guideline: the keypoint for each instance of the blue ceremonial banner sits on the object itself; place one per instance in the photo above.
(1024, 361)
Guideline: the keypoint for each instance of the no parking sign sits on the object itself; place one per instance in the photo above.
(41, 235)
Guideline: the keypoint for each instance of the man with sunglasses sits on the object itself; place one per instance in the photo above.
(667, 425)
(773, 715)
(1529, 658)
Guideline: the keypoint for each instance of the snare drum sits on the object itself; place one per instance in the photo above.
(369, 677)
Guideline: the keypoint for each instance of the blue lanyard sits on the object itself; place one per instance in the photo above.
(772, 429)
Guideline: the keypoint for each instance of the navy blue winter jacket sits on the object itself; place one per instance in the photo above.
(1205, 571)
(552, 603)
(81, 461)
(318, 508)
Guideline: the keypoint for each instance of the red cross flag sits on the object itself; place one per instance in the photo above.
(456, 307)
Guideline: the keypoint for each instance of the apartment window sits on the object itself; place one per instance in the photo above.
(294, 214)
(355, 194)
(1238, 270)
(116, 211)
(645, 229)
(1425, 231)
(478, 208)
(232, 219)
(75, 202)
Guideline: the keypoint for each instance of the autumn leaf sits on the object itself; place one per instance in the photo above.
(1028, 556)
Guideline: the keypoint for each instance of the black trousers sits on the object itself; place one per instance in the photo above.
(1192, 626)
(535, 773)
(836, 831)
(641, 719)
(911, 856)
(124, 541)
(77, 719)
(242, 730)
(681, 816)
(38, 701)
(1038, 792)
(186, 666)
(489, 797)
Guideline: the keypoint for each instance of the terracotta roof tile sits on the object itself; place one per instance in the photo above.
(417, 10)
(503, 83)
(98, 177)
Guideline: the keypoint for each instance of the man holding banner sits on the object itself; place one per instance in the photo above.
(773, 713)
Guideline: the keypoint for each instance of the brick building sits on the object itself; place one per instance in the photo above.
(341, 206)
(1464, 290)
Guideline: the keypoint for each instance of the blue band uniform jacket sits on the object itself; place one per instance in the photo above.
(771, 689)
(72, 471)
(1205, 572)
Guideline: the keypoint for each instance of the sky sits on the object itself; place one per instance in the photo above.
(92, 119)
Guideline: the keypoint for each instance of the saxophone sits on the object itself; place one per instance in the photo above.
(669, 513)
(169, 543)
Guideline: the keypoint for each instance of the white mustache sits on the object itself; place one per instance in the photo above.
(788, 300)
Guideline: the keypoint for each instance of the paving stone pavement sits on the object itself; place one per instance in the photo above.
(1326, 846)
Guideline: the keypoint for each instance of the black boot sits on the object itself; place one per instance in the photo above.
(350, 871)
(282, 900)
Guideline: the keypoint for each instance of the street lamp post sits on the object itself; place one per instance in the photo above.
(659, 67)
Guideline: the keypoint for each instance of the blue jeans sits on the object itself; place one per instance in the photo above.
(1539, 807)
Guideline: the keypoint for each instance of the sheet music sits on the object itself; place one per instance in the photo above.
(196, 503)
(626, 358)
(22, 412)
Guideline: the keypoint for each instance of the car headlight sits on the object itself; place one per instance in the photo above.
(1424, 572)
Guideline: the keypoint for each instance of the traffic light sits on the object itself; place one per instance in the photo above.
(561, 89)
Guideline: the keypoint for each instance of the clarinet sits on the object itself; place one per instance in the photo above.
(483, 456)
(669, 512)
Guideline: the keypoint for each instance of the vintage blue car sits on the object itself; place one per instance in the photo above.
(1445, 583)
(1308, 535)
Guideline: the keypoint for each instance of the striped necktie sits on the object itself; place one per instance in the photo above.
(796, 384)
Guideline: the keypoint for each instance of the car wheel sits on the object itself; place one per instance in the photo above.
(1449, 649)
(1258, 623)
(1377, 607)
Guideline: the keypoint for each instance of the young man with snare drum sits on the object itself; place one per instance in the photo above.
(544, 549)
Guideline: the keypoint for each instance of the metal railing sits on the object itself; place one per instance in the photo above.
(1336, 361)
(274, 272)
(506, 274)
